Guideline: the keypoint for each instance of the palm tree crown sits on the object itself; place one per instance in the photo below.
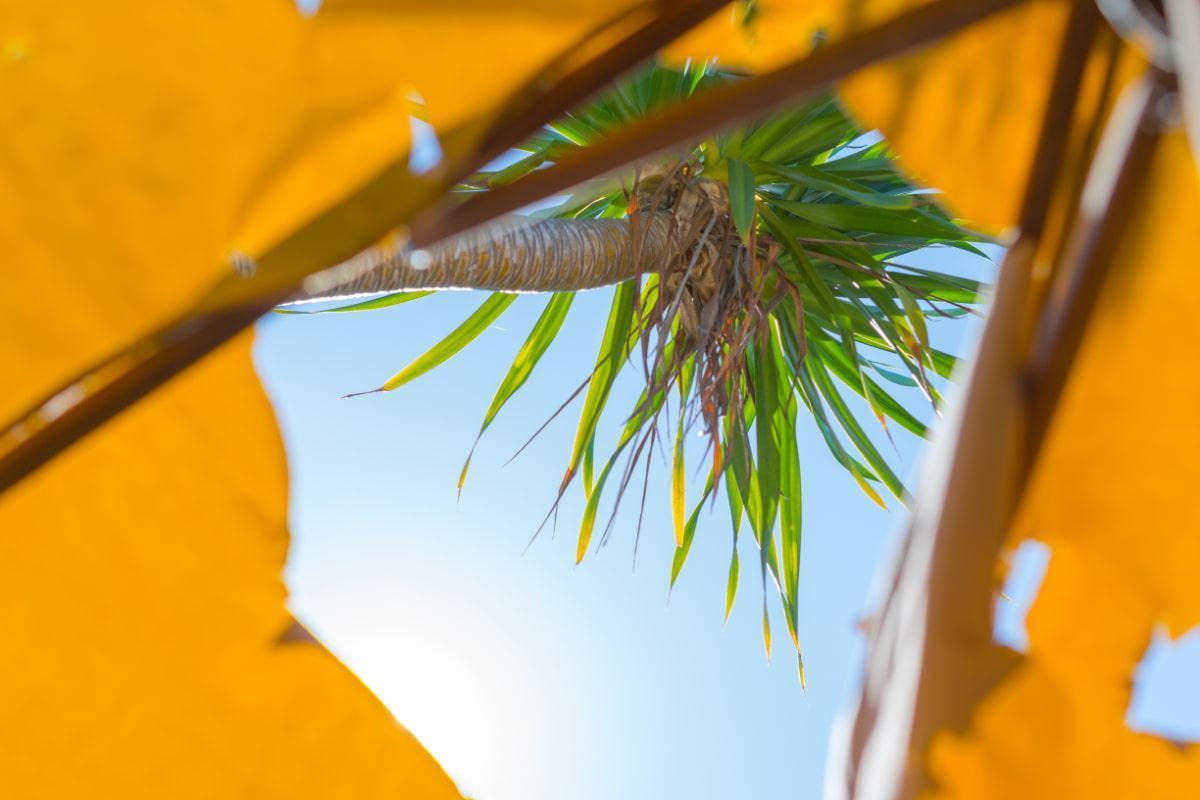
(755, 275)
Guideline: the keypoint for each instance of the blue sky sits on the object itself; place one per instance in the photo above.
(527, 677)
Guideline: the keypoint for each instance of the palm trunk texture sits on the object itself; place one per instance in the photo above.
(551, 255)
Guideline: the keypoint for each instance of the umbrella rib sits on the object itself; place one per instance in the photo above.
(1117, 174)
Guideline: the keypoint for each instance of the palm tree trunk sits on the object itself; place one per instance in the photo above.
(551, 255)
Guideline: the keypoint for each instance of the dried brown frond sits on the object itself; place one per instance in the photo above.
(708, 304)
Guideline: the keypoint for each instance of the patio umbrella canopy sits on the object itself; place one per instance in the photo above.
(173, 171)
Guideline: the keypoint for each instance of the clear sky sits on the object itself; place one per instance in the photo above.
(528, 678)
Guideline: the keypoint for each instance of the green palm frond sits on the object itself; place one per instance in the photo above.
(809, 303)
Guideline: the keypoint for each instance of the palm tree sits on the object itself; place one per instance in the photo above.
(754, 272)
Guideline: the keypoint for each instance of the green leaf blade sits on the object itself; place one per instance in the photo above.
(741, 197)
(613, 348)
(456, 340)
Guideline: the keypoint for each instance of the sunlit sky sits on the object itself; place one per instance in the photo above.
(529, 678)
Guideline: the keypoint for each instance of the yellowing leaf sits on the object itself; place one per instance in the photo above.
(965, 113)
(140, 147)
(776, 32)
(678, 486)
(731, 583)
(144, 617)
(868, 489)
(153, 153)
(766, 631)
(1113, 499)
